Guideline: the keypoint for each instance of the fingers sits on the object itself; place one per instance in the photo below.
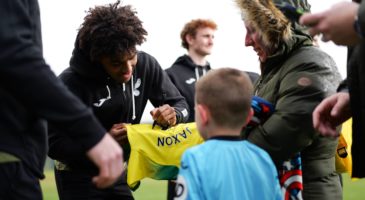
(153, 113)
(121, 136)
(330, 113)
(322, 119)
(342, 104)
(323, 123)
(108, 157)
(314, 23)
(164, 115)
(119, 133)
(322, 112)
(327, 129)
(119, 126)
(310, 20)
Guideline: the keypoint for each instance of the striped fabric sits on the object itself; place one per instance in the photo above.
(291, 179)
(290, 173)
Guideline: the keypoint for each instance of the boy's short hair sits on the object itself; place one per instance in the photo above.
(110, 30)
(191, 28)
(227, 93)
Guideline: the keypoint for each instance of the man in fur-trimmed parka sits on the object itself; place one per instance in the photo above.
(295, 77)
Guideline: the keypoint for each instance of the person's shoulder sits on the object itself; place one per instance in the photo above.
(194, 149)
(143, 54)
(311, 54)
(146, 60)
(255, 149)
(182, 61)
(73, 80)
(174, 68)
(145, 57)
(67, 75)
(255, 156)
(252, 75)
(197, 151)
(314, 50)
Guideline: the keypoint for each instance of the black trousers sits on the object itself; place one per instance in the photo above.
(78, 185)
(18, 182)
(171, 189)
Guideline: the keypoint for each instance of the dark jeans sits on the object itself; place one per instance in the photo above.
(78, 185)
(17, 182)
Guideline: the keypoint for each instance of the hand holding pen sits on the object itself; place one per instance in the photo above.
(164, 115)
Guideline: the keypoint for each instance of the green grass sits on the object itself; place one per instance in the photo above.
(151, 190)
(148, 190)
(49, 186)
(156, 190)
(353, 190)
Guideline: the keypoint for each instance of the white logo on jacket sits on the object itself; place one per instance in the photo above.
(190, 81)
(136, 92)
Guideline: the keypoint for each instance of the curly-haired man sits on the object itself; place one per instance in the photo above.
(115, 80)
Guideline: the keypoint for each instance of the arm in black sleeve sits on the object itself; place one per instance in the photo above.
(61, 146)
(28, 79)
(165, 92)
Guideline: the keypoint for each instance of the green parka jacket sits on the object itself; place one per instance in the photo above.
(296, 79)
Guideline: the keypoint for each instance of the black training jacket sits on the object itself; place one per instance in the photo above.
(113, 102)
(30, 93)
(184, 73)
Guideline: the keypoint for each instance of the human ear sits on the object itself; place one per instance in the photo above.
(189, 38)
(203, 114)
(249, 116)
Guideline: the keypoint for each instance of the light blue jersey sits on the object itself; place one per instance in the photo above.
(227, 168)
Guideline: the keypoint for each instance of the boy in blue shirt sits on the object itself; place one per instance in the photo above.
(225, 166)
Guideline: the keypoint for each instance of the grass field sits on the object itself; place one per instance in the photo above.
(148, 190)
(156, 190)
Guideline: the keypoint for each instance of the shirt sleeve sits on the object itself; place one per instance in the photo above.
(165, 92)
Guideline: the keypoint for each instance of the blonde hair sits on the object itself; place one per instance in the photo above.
(268, 21)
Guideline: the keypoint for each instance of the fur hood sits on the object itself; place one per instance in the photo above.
(267, 20)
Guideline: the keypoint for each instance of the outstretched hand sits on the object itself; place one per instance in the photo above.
(332, 112)
(164, 115)
(108, 157)
(336, 23)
